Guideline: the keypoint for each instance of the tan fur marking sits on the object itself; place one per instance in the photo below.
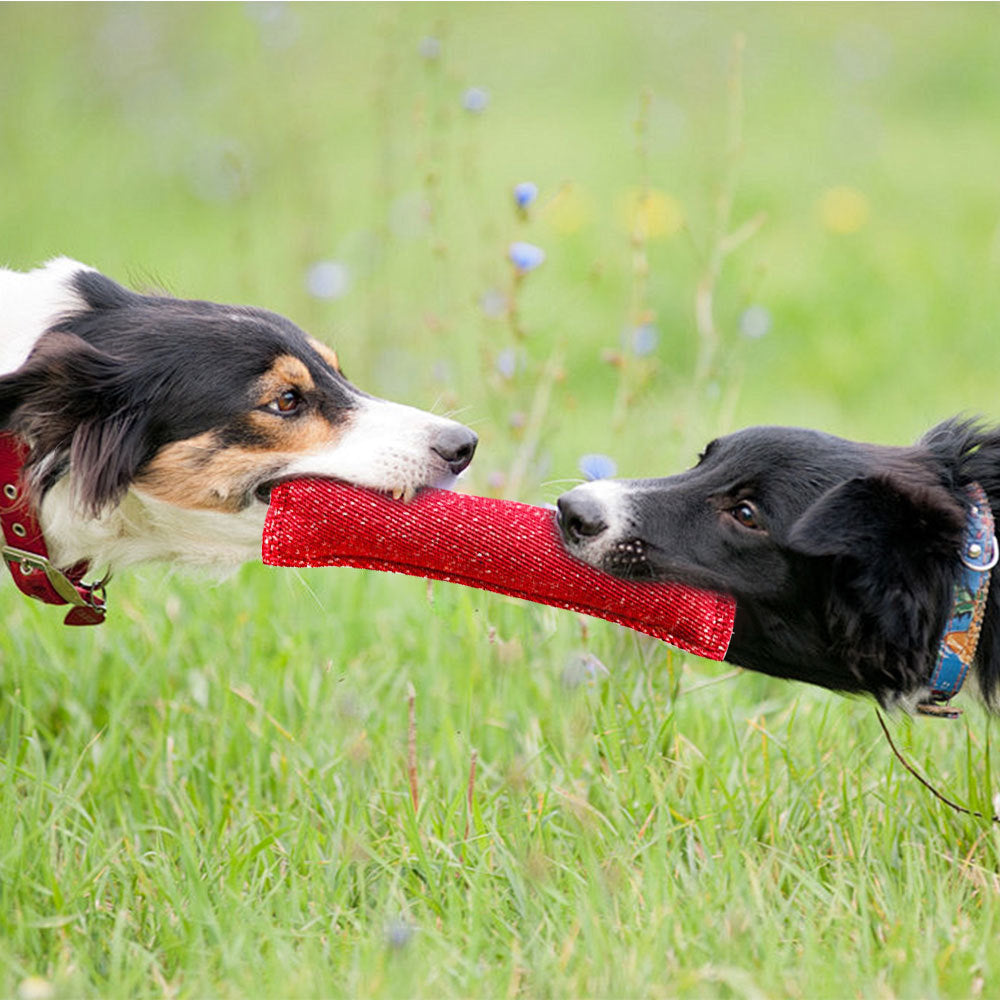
(328, 354)
(199, 474)
(286, 371)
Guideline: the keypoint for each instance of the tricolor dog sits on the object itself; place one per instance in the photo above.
(154, 426)
(858, 567)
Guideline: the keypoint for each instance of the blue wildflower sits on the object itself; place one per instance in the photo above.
(597, 466)
(507, 363)
(328, 279)
(643, 339)
(430, 48)
(399, 933)
(525, 256)
(755, 322)
(525, 193)
(584, 668)
(475, 100)
(493, 303)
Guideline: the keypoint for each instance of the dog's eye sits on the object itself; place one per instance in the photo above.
(286, 402)
(746, 514)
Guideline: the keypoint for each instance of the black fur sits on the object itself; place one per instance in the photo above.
(106, 388)
(842, 567)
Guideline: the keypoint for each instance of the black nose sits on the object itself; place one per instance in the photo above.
(580, 517)
(456, 445)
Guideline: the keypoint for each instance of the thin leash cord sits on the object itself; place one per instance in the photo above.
(923, 781)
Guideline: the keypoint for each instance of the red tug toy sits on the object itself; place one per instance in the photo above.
(499, 545)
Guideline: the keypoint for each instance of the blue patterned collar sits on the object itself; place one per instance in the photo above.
(957, 647)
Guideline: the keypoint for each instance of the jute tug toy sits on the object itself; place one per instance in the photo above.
(499, 545)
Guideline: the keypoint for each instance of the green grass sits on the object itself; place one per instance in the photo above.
(209, 795)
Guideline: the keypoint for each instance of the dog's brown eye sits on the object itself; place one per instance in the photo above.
(746, 514)
(285, 402)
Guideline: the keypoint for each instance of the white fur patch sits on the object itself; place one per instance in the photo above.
(30, 303)
(386, 447)
(612, 495)
(143, 529)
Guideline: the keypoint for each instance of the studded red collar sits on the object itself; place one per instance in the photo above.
(24, 549)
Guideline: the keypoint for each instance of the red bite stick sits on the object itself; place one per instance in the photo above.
(499, 545)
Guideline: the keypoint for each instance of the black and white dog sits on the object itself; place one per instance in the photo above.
(847, 561)
(156, 425)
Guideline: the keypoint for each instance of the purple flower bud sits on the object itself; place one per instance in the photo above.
(525, 256)
(597, 466)
(525, 193)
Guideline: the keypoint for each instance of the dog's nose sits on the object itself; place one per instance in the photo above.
(580, 517)
(456, 445)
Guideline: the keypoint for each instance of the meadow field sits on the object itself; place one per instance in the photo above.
(749, 213)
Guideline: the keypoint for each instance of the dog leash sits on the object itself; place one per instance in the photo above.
(25, 553)
(923, 781)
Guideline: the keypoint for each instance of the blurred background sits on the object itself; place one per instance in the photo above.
(733, 213)
(600, 234)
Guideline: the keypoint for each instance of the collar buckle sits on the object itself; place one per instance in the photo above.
(975, 551)
(25, 553)
(87, 601)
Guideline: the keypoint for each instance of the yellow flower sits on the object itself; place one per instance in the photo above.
(651, 214)
(569, 210)
(843, 209)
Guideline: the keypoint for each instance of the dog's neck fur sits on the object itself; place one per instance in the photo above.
(143, 529)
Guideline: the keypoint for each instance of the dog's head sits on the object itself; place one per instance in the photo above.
(839, 555)
(202, 407)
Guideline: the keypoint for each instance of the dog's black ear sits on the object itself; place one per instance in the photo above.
(890, 515)
(74, 405)
(892, 540)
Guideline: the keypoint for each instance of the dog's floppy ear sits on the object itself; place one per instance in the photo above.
(72, 403)
(892, 539)
(890, 516)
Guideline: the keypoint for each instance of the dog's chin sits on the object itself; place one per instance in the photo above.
(625, 558)
(639, 561)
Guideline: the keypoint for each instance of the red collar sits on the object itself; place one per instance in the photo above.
(25, 553)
